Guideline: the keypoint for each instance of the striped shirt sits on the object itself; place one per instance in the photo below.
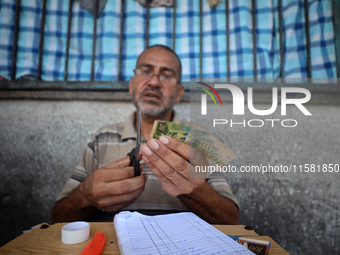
(113, 142)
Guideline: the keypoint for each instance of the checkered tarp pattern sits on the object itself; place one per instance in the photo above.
(187, 39)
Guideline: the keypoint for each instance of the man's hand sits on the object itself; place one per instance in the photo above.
(113, 187)
(110, 188)
(169, 160)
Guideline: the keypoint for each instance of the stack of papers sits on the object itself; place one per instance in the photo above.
(178, 233)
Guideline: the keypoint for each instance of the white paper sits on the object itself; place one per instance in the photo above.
(178, 233)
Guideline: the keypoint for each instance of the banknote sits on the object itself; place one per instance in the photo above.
(208, 145)
(260, 247)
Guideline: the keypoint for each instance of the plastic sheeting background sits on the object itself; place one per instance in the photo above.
(187, 39)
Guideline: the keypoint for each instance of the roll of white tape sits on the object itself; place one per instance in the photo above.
(75, 232)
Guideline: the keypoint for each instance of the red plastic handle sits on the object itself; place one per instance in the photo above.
(96, 246)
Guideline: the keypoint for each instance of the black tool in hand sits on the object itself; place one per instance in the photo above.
(134, 161)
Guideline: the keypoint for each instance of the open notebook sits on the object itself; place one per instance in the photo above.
(178, 233)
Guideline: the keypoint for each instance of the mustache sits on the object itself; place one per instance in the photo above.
(155, 90)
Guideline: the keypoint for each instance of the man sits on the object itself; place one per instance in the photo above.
(104, 183)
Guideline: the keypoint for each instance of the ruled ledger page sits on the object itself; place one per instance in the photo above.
(178, 233)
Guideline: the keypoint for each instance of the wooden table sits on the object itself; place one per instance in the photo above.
(48, 240)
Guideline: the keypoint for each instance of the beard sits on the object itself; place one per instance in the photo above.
(151, 109)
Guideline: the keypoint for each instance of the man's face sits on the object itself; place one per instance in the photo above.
(156, 97)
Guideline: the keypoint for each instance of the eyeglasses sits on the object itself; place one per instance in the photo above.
(164, 78)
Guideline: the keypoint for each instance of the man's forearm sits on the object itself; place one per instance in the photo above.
(213, 208)
(73, 208)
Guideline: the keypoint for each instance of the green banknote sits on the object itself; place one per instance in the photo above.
(208, 145)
